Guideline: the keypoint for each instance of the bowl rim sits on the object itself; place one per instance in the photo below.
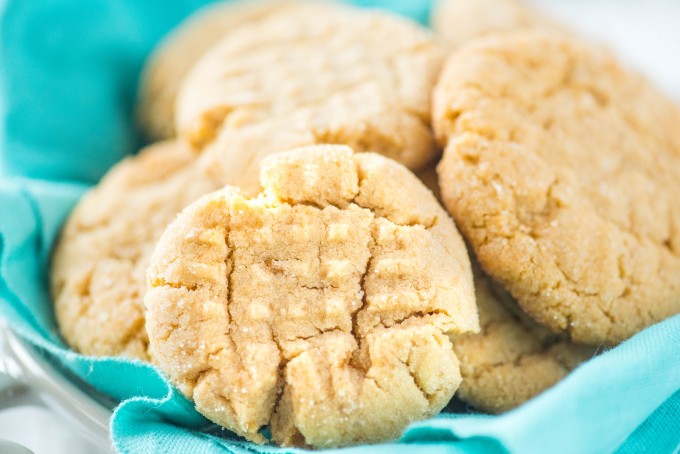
(60, 389)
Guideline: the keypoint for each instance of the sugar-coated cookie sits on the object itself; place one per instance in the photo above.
(321, 308)
(99, 264)
(562, 169)
(513, 358)
(322, 73)
(177, 53)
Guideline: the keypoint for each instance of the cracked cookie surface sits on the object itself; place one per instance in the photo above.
(177, 53)
(512, 358)
(319, 74)
(99, 264)
(321, 308)
(562, 170)
(459, 21)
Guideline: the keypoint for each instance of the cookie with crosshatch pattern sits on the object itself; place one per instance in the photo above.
(322, 307)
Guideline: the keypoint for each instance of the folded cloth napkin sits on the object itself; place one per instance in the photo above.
(68, 71)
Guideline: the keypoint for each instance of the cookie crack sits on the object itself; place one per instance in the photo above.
(320, 332)
(360, 187)
(416, 315)
(376, 383)
(281, 381)
(428, 225)
(230, 264)
(417, 383)
(194, 381)
(355, 329)
(364, 297)
(159, 281)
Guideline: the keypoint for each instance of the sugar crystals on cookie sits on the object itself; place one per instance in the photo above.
(322, 308)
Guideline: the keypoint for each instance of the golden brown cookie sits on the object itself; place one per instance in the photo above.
(320, 308)
(459, 21)
(322, 73)
(513, 358)
(562, 170)
(99, 264)
(177, 53)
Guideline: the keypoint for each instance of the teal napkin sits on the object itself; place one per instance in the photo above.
(68, 70)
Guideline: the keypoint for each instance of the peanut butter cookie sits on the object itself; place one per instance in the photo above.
(513, 358)
(321, 73)
(98, 267)
(320, 308)
(177, 53)
(562, 169)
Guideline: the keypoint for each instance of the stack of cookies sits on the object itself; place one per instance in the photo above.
(276, 256)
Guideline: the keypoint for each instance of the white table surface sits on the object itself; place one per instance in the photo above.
(645, 34)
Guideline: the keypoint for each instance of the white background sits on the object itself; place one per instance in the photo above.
(645, 34)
